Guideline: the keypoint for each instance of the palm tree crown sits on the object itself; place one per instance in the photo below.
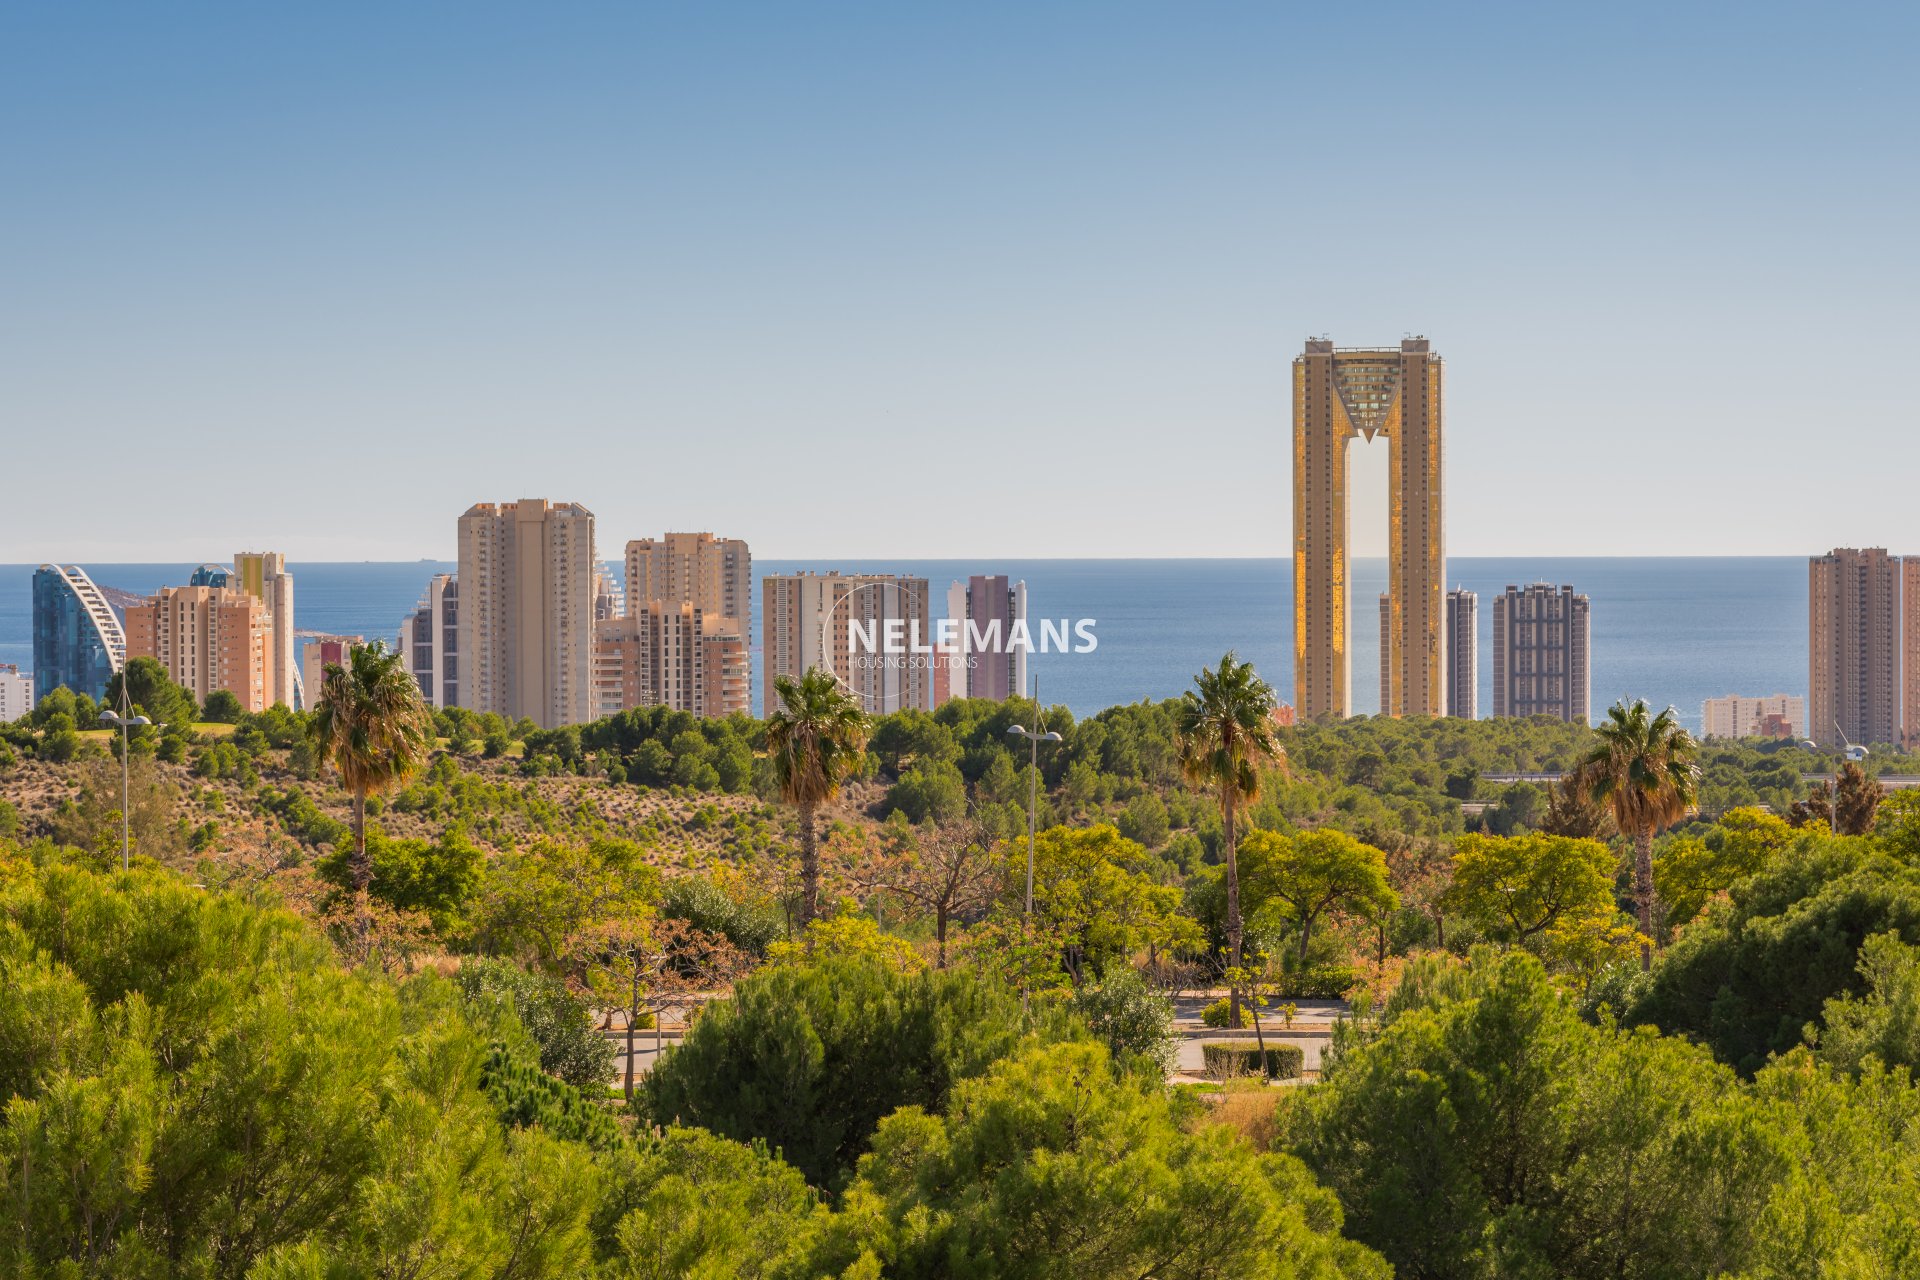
(817, 738)
(1225, 731)
(1644, 770)
(371, 724)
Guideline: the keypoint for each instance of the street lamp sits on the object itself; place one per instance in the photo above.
(1033, 799)
(126, 725)
(1848, 751)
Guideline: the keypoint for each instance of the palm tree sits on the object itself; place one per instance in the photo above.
(817, 738)
(372, 724)
(1225, 730)
(1645, 772)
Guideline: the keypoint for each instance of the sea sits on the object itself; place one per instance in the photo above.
(1672, 630)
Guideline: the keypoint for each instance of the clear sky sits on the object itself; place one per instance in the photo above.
(947, 280)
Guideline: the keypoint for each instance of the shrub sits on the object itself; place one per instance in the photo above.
(1132, 1018)
(524, 1095)
(1234, 1058)
(560, 1023)
(809, 1057)
(1218, 1014)
(1317, 982)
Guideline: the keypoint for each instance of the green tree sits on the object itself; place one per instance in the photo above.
(223, 707)
(370, 723)
(150, 692)
(1883, 1022)
(816, 737)
(1224, 728)
(1644, 769)
(1305, 876)
(501, 995)
(1693, 869)
(1518, 888)
(1846, 806)
(1094, 890)
(809, 1057)
(1049, 1166)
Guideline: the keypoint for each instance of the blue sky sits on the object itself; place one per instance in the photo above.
(916, 280)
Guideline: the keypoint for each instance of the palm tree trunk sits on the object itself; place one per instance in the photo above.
(362, 868)
(1234, 929)
(1643, 892)
(809, 868)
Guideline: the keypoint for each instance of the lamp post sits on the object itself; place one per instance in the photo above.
(125, 723)
(1847, 753)
(1033, 799)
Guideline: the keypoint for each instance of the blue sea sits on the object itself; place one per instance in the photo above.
(1673, 630)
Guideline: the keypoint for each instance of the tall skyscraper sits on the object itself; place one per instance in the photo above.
(430, 641)
(1340, 394)
(16, 693)
(78, 640)
(1853, 654)
(207, 639)
(526, 611)
(1463, 646)
(670, 655)
(713, 574)
(263, 575)
(1736, 717)
(984, 610)
(1542, 649)
(863, 628)
(1911, 665)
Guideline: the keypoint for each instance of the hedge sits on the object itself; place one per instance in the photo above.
(1233, 1058)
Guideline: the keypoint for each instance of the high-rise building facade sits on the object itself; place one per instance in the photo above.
(1542, 650)
(1340, 394)
(320, 653)
(1463, 646)
(987, 663)
(263, 575)
(430, 642)
(1779, 715)
(78, 640)
(715, 575)
(670, 655)
(1910, 610)
(526, 611)
(207, 639)
(869, 630)
(16, 693)
(1853, 653)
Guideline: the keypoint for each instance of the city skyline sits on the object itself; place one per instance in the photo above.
(1026, 232)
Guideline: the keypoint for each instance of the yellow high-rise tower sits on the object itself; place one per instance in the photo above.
(1339, 394)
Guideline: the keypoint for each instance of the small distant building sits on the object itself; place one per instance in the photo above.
(78, 639)
(1542, 650)
(323, 652)
(1778, 715)
(1463, 669)
(1282, 716)
(430, 642)
(16, 693)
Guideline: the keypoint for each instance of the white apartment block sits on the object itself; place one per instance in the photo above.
(16, 693)
(1736, 717)
(810, 620)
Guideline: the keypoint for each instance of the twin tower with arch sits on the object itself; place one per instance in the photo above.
(1340, 393)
